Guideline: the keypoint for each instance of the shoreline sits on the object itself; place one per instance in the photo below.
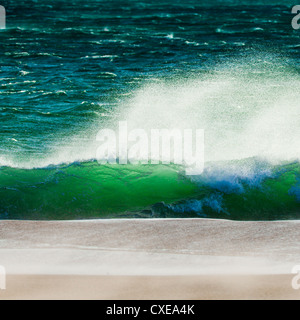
(149, 259)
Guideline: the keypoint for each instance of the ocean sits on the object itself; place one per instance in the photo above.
(71, 68)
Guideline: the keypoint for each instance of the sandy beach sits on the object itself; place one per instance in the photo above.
(149, 259)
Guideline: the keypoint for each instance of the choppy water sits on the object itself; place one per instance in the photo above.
(68, 69)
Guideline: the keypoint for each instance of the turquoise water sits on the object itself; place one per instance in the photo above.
(69, 69)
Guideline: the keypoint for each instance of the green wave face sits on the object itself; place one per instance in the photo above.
(276, 198)
(89, 190)
(272, 194)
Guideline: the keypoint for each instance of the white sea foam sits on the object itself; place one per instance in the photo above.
(247, 108)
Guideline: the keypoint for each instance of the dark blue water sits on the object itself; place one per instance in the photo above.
(67, 66)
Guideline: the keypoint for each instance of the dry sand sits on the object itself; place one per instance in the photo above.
(149, 259)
